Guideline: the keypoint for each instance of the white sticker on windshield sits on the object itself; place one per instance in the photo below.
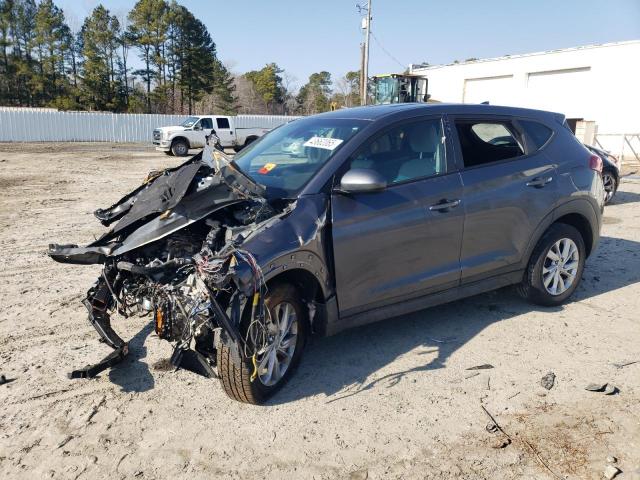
(323, 142)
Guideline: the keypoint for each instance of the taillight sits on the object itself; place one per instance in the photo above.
(595, 163)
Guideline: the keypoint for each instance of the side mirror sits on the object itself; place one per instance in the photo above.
(197, 127)
(358, 180)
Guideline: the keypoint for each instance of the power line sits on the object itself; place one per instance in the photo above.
(403, 65)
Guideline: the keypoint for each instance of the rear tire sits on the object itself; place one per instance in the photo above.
(236, 380)
(247, 142)
(180, 148)
(555, 267)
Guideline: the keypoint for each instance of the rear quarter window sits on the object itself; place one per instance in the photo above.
(537, 132)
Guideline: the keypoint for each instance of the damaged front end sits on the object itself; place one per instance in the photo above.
(176, 251)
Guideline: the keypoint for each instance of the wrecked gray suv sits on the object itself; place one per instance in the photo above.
(337, 220)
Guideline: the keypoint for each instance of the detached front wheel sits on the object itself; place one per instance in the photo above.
(257, 379)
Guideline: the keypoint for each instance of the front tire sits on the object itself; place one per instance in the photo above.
(180, 148)
(290, 322)
(555, 267)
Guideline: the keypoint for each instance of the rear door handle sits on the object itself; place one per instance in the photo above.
(539, 182)
(444, 205)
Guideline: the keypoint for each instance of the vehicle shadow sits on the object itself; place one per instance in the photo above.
(342, 365)
(132, 374)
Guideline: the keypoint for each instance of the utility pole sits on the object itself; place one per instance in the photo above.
(361, 85)
(365, 70)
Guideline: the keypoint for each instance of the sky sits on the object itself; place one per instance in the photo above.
(305, 37)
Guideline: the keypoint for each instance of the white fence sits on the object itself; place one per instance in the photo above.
(624, 146)
(45, 125)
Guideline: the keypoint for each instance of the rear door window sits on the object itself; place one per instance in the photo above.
(223, 123)
(487, 141)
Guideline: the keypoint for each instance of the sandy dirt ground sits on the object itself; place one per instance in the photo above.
(390, 400)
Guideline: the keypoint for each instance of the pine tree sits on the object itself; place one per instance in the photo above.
(148, 30)
(24, 33)
(101, 86)
(314, 95)
(268, 85)
(49, 35)
(195, 57)
(225, 101)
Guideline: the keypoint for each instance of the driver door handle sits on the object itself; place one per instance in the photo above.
(444, 205)
(540, 182)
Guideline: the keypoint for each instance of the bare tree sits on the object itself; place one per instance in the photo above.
(248, 99)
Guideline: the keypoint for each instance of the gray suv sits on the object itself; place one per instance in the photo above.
(338, 220)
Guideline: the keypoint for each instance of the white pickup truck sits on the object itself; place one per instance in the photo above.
(177, 140)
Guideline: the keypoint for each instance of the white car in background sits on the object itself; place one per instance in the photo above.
(177, 140)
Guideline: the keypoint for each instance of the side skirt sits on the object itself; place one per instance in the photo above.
(336, 324)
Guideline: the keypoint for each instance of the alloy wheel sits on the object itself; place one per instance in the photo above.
(283, 338)
(560, 266)
(609, 183)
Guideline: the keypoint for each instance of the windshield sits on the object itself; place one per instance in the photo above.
(285, 159)
(189, 122)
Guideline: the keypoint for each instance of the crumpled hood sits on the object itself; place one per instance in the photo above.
(166, 202)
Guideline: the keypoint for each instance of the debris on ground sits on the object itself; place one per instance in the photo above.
(548, 380)
(3, 379)
(502, 442)
(611, 459)
(624, 364)
(491, 427)
(471, 375)
(524, 442)
(610, 389)
(596, 387)
(484, 366)
(611, 472)
(606, 388)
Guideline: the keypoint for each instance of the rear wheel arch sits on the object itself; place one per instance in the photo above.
(250, 139)
(578, 213)
(582, 224)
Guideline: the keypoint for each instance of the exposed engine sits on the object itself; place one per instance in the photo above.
(176, 253)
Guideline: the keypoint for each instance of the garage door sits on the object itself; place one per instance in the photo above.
(495, 90)
(567, 91)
